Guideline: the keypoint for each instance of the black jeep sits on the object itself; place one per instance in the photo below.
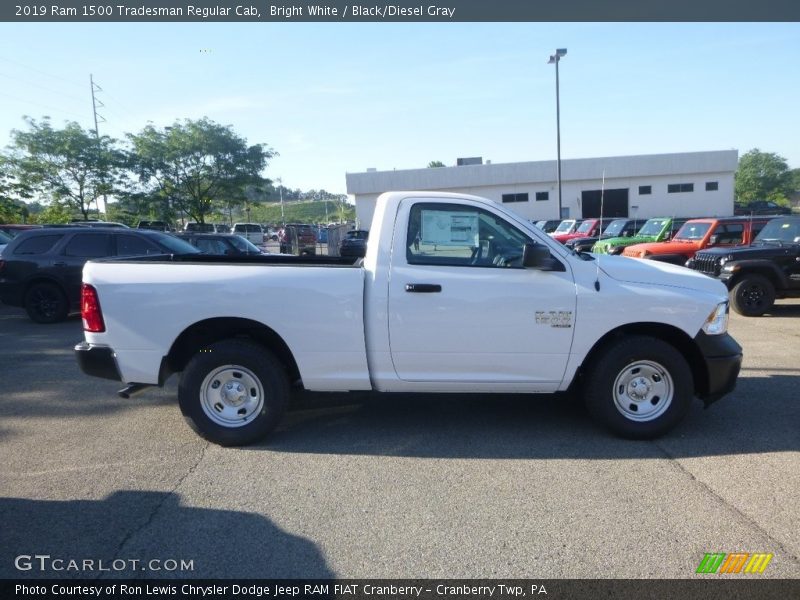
(757, 274)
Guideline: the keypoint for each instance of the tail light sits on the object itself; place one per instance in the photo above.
(90, 310)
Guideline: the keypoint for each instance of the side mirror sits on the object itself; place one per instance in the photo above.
(537, 256)
(713, 240)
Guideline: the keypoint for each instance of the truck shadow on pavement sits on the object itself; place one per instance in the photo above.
(147, 526)
(760, 416)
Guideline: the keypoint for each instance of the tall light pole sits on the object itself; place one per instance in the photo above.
(554, 59)
(280, 189)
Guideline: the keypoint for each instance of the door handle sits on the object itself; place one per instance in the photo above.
(423, 288)
(59, 264)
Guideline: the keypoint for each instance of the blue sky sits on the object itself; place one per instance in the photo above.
(333, 98)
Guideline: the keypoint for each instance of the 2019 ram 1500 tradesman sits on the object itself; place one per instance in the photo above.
(455, 294)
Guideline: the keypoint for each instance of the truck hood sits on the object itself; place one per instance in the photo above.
(632, 270)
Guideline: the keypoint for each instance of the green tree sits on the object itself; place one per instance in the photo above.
(762, 175)
(196, 166)
(70, 165)
(56, 212)
(435, 164)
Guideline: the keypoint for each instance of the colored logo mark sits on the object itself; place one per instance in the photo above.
(735, 562)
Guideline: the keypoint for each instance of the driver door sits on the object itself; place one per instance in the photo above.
(462, 309)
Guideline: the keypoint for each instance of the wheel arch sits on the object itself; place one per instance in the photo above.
(39, 278)
(767, 270)
(667, 333)
(209, 331)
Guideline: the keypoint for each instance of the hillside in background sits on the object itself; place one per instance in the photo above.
(303, 212)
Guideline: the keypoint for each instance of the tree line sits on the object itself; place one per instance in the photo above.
(192, 168)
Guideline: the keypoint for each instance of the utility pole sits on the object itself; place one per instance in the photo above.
(94, 87)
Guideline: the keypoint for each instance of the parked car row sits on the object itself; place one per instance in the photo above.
(756, 256)
(40, 269)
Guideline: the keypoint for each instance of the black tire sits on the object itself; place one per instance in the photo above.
(753, 295)
(46, 303)
(257, 388)
(640, 387)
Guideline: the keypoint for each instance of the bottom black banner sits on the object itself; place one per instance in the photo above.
(405, 589)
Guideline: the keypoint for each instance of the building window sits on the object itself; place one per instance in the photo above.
(712, 186)
(677, 188)
(542, 195)
(645, 190)
(515, 197)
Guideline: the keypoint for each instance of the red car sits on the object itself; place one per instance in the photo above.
(586, 228)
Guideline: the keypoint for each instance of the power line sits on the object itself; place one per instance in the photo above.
(39, 85)
(16, 62)
(47, 106)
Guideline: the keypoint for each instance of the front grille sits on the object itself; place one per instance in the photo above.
(707, 264)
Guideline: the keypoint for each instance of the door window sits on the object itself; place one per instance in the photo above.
(458, 235)
(131, 245)
(88, 245)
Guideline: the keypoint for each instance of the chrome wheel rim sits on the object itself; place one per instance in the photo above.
(643, 391)
(231, 396)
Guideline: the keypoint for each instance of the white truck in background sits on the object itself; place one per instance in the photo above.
(455, 294)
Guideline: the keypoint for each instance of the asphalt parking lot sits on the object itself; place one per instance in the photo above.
(399, 486)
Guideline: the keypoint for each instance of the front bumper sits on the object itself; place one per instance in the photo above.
(722, 356)
(97, 361)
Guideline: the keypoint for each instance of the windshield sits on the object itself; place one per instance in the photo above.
(244, 245)
(565, 226)
(780, 230)
(614, 228)
(693, 231)
(4, 239)
(586, 227)
(652, 227)
(174, 245)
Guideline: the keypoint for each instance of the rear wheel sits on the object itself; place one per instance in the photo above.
(233, 392)
(46, 303)
(640, 388)
(753, 295)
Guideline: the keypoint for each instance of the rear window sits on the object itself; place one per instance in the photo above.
(88, 245)
(39, 244)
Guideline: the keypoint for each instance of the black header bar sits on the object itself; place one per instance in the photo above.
(410, 11)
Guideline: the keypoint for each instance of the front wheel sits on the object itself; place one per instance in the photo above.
(233, 392)
(753, 295)
(640, 388)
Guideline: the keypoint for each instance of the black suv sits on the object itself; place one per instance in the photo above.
(761, 207)
(768, 268)
(221, 244)
(41, 269)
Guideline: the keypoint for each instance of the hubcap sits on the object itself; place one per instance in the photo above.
(231, 396)
(643, 391)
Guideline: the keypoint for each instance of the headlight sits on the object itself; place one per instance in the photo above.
(717, 321)
(722, 261)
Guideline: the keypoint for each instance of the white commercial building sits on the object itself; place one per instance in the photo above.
(690, 184)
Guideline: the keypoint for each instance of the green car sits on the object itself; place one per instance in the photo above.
(658, 229)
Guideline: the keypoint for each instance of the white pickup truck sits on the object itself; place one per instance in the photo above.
(455, 294)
